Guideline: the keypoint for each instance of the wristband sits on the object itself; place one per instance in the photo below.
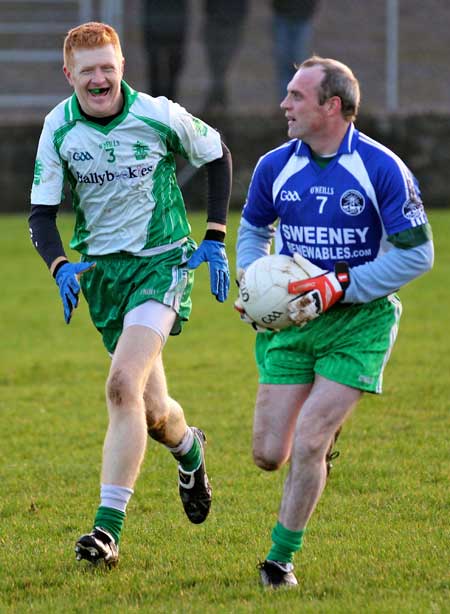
(215, 235)
(58, 266)
(341, 270)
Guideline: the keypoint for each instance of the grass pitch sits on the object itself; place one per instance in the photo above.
(378, 542)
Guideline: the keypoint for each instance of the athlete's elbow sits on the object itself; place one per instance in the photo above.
(431, 257)
(426, 260)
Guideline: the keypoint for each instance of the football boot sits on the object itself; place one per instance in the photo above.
(194, 487)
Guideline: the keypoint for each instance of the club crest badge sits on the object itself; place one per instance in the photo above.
(413, 209)
(352, 202)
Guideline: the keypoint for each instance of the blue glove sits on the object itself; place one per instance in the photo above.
(69, 288)
(213, 252)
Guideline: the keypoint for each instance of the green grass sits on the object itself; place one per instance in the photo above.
(378, 542)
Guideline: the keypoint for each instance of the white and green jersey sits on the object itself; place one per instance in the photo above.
(122, 175)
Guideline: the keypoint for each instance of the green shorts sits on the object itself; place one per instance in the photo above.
(120, 282)
(350, 344)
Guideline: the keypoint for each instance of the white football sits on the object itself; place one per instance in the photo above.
(263, 290)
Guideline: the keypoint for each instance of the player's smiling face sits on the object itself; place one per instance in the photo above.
(305, 116)
(95, 75)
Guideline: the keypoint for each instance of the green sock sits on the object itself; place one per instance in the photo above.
(110, 519)
(285, 544)
(191, 461)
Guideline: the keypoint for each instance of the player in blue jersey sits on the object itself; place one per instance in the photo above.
(116, 147)
(349, 211)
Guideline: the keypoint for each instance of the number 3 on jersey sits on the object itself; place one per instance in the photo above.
(112, 156)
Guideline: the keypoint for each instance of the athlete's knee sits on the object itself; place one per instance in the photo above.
(122, 389)
(268, 460)
(157, 426)
(267, 464)
(156, 413)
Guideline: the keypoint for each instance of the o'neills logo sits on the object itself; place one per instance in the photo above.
(130, 172)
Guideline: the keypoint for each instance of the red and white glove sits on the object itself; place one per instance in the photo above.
(316, 294)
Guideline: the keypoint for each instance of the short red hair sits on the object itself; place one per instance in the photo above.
(89, 35)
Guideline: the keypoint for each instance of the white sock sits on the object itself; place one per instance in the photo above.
(185, 444)
(114, 496)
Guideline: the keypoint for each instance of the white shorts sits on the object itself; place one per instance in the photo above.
(152, 314)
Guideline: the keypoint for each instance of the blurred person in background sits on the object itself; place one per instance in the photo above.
(222, 31)
(164, 26)
(350, 213)
(292, 34)
(115, 147)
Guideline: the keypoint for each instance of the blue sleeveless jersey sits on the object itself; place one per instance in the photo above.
(344, 211)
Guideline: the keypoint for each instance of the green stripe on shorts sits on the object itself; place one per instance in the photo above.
(120, 282)
(350, 344)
